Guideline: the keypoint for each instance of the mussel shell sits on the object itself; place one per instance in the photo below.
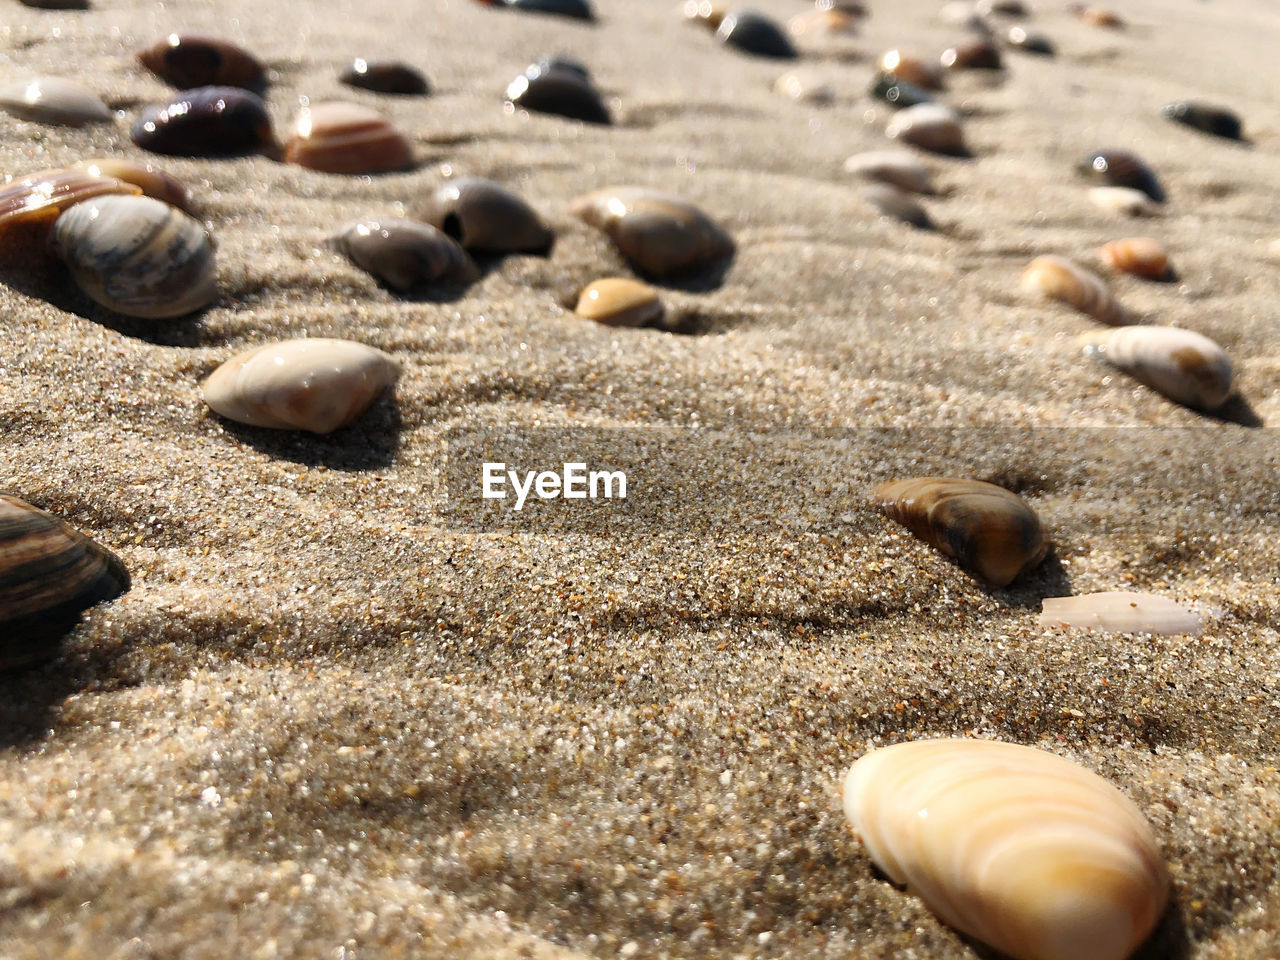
(898, 204)
(487, 218)
(405, 254)
(754, 33)
(1120, 168)
(1185, 366)
(898, 93)
(385, 76)
(891, 166)
(975, 53)
(53, 100)
(659, 234)
(1218, 121)
(577, 9)
(1141, 256)
(989, 531)
(1057, 278)
(620, 302)
(137, 256)
(930, 126)
(316, 384)
(206, 121)
(550, 87)
(49, 574)
(153, 182)
(191, 60)
(337, 137)
(42, 196)
(1120, 612)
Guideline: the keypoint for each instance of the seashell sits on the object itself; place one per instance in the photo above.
(659, 234)
(315, 384)
(552, 87)
(42, 196)
(705, 13)
(1002, 8)
(930, 126)
(577, 9)
(206, 121)
(53, 100)
(153, 183)
(405, 254)
(337, 137)
(487, 218)
(899, 205)
(820, 22)
(1056, 278)
(191, 60)
(1120, 168)
(137, 256)
(1029, 853)
(1120, 612)
(385, 76)
(1218, 121)
(755, 33)
(50, 573)
(975, 53)
(989, 531)
(1185, 366)
(620, 302)
(1097, 16)
(1125, 201)
(805, 88)
(899, 93)
(912, 69)
(1141, 256)
(1028, 41)
(891, 166)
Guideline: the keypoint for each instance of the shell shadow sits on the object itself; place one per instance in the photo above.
(370, 443)
(1236, 410)
(431, 292)
(29, 702)
(1028, 591)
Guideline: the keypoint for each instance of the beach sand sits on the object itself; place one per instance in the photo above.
(348, 710)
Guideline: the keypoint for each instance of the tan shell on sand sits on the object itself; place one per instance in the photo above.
(1120, 612)
(1185, 366)
(1056, 278)
(929, 126)
(1141, 256)
(53, 100)
(311, 384)
(659, 234)
(620, 302)
(1029, 853)
(337, 137)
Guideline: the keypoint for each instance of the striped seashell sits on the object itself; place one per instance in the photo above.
(1218, 121)
(153, 182)
(40, 197)
(1125, 201)
(930, 126)
(405, 254)
(1141, 256)
(897, 204)
(337, 137)
(385, 76)
(756, 34)
(1120, 168)
(316, 384)
(558, 88)
(913, 69)
(53, 100)
(1185, 366)
(1029, 853)
(137, 256)
(191, 60)
(206, 121)
(1120, 612)
(975, 53)
(50, 573)
(486, 217)
(1056, 278)
(892, 166)
(989, 531)
(620, 302)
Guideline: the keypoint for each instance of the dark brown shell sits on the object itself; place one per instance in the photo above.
(206, 121)
(487, 218)
(556, 88)
(385, 76)
(1120, 168)
(1218, 121)
(190, 60)
(405, 254)
(975, 53)
(756, 34)
(989, 531)
(49, 574)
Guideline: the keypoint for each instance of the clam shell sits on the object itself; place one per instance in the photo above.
(1218, 121)
(620, 302)
(137, 256)
(53, 100)
(1125, 201)
(49, 574)
(206, 121)
(898, 93)
(989, 531)
(191, 60)
(552, 87)
(153, 182)
(913, 69)
(756, 34)
(1120, 168)
(1120, 612)
(659, 234)
(487, 218)
(898, 204)
(42, 196)
(1141, 256)
(975, 53)
(892, 166)
(317, 384)
(1028, 41)
(930, 126)
(405, 254)
(1185, 366)
(337, 137)
(1057, 278)
(1023, 850)
(385, 76)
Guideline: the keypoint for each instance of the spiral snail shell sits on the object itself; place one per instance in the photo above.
(1057, 278)
(1185, 366)
(554, 87)
(1120, 168)
(1205, 117)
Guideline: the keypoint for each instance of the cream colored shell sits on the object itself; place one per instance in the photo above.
(1185, 366)
(620, 302)
(53, 100)
(1057, 278)
(1120, 612)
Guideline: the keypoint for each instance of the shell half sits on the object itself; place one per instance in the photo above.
(54, 100)
(1185, 366)
(1056, 278)
(337, 137)
(1120, 612)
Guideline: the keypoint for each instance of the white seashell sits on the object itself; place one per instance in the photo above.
(137, 256)
(1023, 850)
(1125, 201)
(53, 100)
(1057, 278)
(1120, 612)
(1187, 367)
(930, 126)
(311, 384)
(895, 167)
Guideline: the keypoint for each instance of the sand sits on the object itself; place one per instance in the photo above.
(349, 710)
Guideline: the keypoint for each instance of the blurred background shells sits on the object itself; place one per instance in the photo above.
(1124, 201)
(1120, 168)
(486, 217)
(620, 302)
(898, 93)
(988, 530)
(1030, 41)
(891, 166)
(821, 23)
(929, 126)
(152, 181)
(659, 234)
(1097, 16)
(704, 13)
(137, 256)
(41, 196)
(54, 101)
(897, 204)
(385, 76)
(1029, 853)
(206, 121)
(1120, 612)
(57, 4)
(576, 9)
(1002, 8)
(756, 34)
(1140, 256)
(804, 86)
(913, 69)
(193, 60)
(973, 53)
(555, 87)
(405, 254)
(1185, 366)
(50, 573)
(337, 137)
(316, 385)
(1056, 278)
(1219, 121)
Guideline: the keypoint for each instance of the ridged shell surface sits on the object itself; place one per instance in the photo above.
(1120, 612)
(486, 217)
(1057, 278)
(620, 302)
(42, 196)
(754, 33)
(151, 181)
(337, 137)
(1141, 256)
(137, 256)
(1120, 168)
(1185, 366)
(896, 167)
(930, 126)
(1029, 853)
(317, 384)
(659, 234)
(552, 87)
(405, 254)
(192, 60)
(385, 76)
(988, 530)
(206, 121)
(49, 574)
(53, 100)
